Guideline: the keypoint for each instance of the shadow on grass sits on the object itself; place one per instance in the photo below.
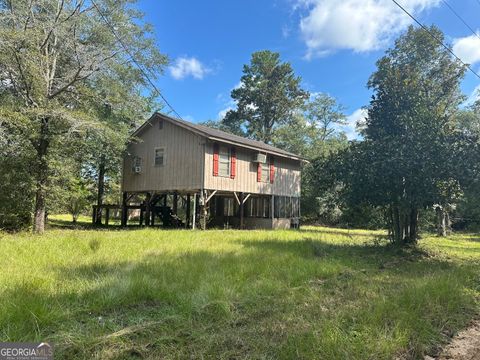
(344, 232)
(200, 301)
(84, 225)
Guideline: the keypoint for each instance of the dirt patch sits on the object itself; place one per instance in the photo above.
(464, 346)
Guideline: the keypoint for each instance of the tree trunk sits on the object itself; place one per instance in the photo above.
(397, 225)
(413, 234)
(404, 225)
(101, 189)
(441, 221)
(41, 178)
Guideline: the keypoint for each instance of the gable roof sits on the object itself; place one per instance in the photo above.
(219, 135)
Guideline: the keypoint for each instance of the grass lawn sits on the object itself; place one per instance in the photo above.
(317, 293)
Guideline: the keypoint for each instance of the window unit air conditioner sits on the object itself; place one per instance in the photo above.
(260, 158)
(137, 169)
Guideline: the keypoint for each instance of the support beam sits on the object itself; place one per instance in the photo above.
(175, 203)
(242, 202)
(194, 210)
(210, 196)
(148, 200)
(272, 209)
(187, 216)
(246, 197)
(124, 209)
(236, 197)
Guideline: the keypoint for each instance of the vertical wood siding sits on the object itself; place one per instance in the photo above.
(287, 175)
(182, 169)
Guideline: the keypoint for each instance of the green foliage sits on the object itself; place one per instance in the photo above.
(268, 96)
(16, 185)
(61, 67)
(408, 160)
(313, 130)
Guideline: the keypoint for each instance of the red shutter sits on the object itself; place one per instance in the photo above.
(259, 172)
(216, 149)
(233, 163)
(272, 170)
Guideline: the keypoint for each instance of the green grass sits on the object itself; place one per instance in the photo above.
(317, 293)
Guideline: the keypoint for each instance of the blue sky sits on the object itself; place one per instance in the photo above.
(333, 45)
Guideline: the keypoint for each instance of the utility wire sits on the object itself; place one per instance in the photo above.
(437, 39)
(143, 71)
(461, 19)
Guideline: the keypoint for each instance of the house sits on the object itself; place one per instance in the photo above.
(187, 174)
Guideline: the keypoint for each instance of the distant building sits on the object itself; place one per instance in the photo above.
(184, 173)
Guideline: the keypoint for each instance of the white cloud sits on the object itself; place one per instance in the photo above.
(467, 49)
(223, 112)
(354, 121)
(228, 103)
(474, 96)
(359, 25)
(185, 67)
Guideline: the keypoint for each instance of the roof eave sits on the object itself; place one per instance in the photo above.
(213, 138)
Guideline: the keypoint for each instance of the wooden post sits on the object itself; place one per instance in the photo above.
(272, 209)
(194, 210)
(165, 200)
(124, 209)
(148, 200)
(94, 214)
(107, 215)
(175, 203)
(187, 216)
(241, 210)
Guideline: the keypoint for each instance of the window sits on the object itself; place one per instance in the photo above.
(224, 162)
(280, 207)
(258, 207)
(159, 157)
(295, 207)
(160, 125)
(228, 207)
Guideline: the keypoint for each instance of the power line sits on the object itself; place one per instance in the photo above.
(144, 72)
(437, 39)
(461, 19)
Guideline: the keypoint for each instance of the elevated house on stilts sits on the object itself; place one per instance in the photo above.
(181, 174)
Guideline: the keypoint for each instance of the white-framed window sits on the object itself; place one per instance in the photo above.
(159, 156)
(224, 161)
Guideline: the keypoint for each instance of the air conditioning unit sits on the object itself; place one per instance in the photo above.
(137, 169)
(260, 158)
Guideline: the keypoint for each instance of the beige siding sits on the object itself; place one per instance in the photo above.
(287, 175)
(183, 160)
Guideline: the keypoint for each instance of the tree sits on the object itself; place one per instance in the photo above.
(269, 95)
(16, 185)
(407, 157)
(50, 54)
(313, 130)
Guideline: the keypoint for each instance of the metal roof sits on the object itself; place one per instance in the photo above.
(222, 136)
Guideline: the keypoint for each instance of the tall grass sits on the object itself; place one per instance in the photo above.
(312, 294)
